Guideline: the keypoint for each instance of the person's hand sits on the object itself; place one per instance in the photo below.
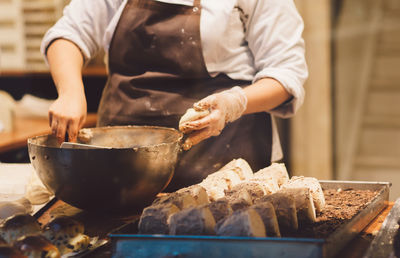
(67, 115)
(223, 107)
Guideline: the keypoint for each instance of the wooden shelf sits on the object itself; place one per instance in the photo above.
(26, 128)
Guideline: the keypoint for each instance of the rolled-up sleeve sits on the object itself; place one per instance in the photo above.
(84, 23)
(275, 39)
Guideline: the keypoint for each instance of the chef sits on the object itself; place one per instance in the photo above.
(240, 61)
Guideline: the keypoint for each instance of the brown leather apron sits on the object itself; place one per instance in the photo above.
(157, 72)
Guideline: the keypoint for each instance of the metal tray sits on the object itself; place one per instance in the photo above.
(382, 245)
(125, 243)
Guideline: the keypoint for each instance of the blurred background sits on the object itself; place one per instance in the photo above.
(348, 128)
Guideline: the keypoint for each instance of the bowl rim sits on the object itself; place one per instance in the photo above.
(179, 136)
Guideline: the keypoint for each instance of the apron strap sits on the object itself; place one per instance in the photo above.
(196, 3)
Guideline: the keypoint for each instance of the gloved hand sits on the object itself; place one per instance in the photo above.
(223, 107)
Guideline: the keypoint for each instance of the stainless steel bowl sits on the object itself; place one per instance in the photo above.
(126, 177)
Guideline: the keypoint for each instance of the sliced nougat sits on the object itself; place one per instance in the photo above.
(182, 200)
(85, 135)
(269, 185)
(192, 221)
(238, 199)
(254, 188)
(155, 218)
(268, 179)
(215, 188)
(198, 192)
(242, 223)
(191, 115)
(241, 167)
(224, 179)
(229, 176)
(304, 203)
(312, 184)
(276, 171)
(285, 209)
(267, 213)
(220, 209)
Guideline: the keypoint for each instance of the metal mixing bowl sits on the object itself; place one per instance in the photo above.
(126, 177)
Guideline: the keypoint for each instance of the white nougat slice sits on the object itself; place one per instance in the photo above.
(192, 221)
(279, 170)
(269, 185)
(229, 176)
(182, 200)
(285, 209)
(304, 203)
(241, 167)
(254, 188)
(276, 172)
(191, 115)
(267, 213)
(238, 199)
(220, 209)
(226, 178)
(198, 192)
(215, 188)
(312, 184)
(154, 219)
(246, 223)
(216, 183)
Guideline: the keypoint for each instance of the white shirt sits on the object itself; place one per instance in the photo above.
(245, 39)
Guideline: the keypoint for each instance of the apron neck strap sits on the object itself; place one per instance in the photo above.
(196, 3)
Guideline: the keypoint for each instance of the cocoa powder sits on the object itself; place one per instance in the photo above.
(341, 206)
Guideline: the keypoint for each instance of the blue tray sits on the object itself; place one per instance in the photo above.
(126, 243)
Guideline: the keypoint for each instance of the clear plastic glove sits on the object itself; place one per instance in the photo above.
(223, 107)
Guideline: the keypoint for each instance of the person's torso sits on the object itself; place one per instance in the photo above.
(223, 35)
(157, 72)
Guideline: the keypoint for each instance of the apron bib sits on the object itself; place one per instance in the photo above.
(157, 72)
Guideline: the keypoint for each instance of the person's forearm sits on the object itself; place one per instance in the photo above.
(68, 112)
(264, 95)
(66, 62)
